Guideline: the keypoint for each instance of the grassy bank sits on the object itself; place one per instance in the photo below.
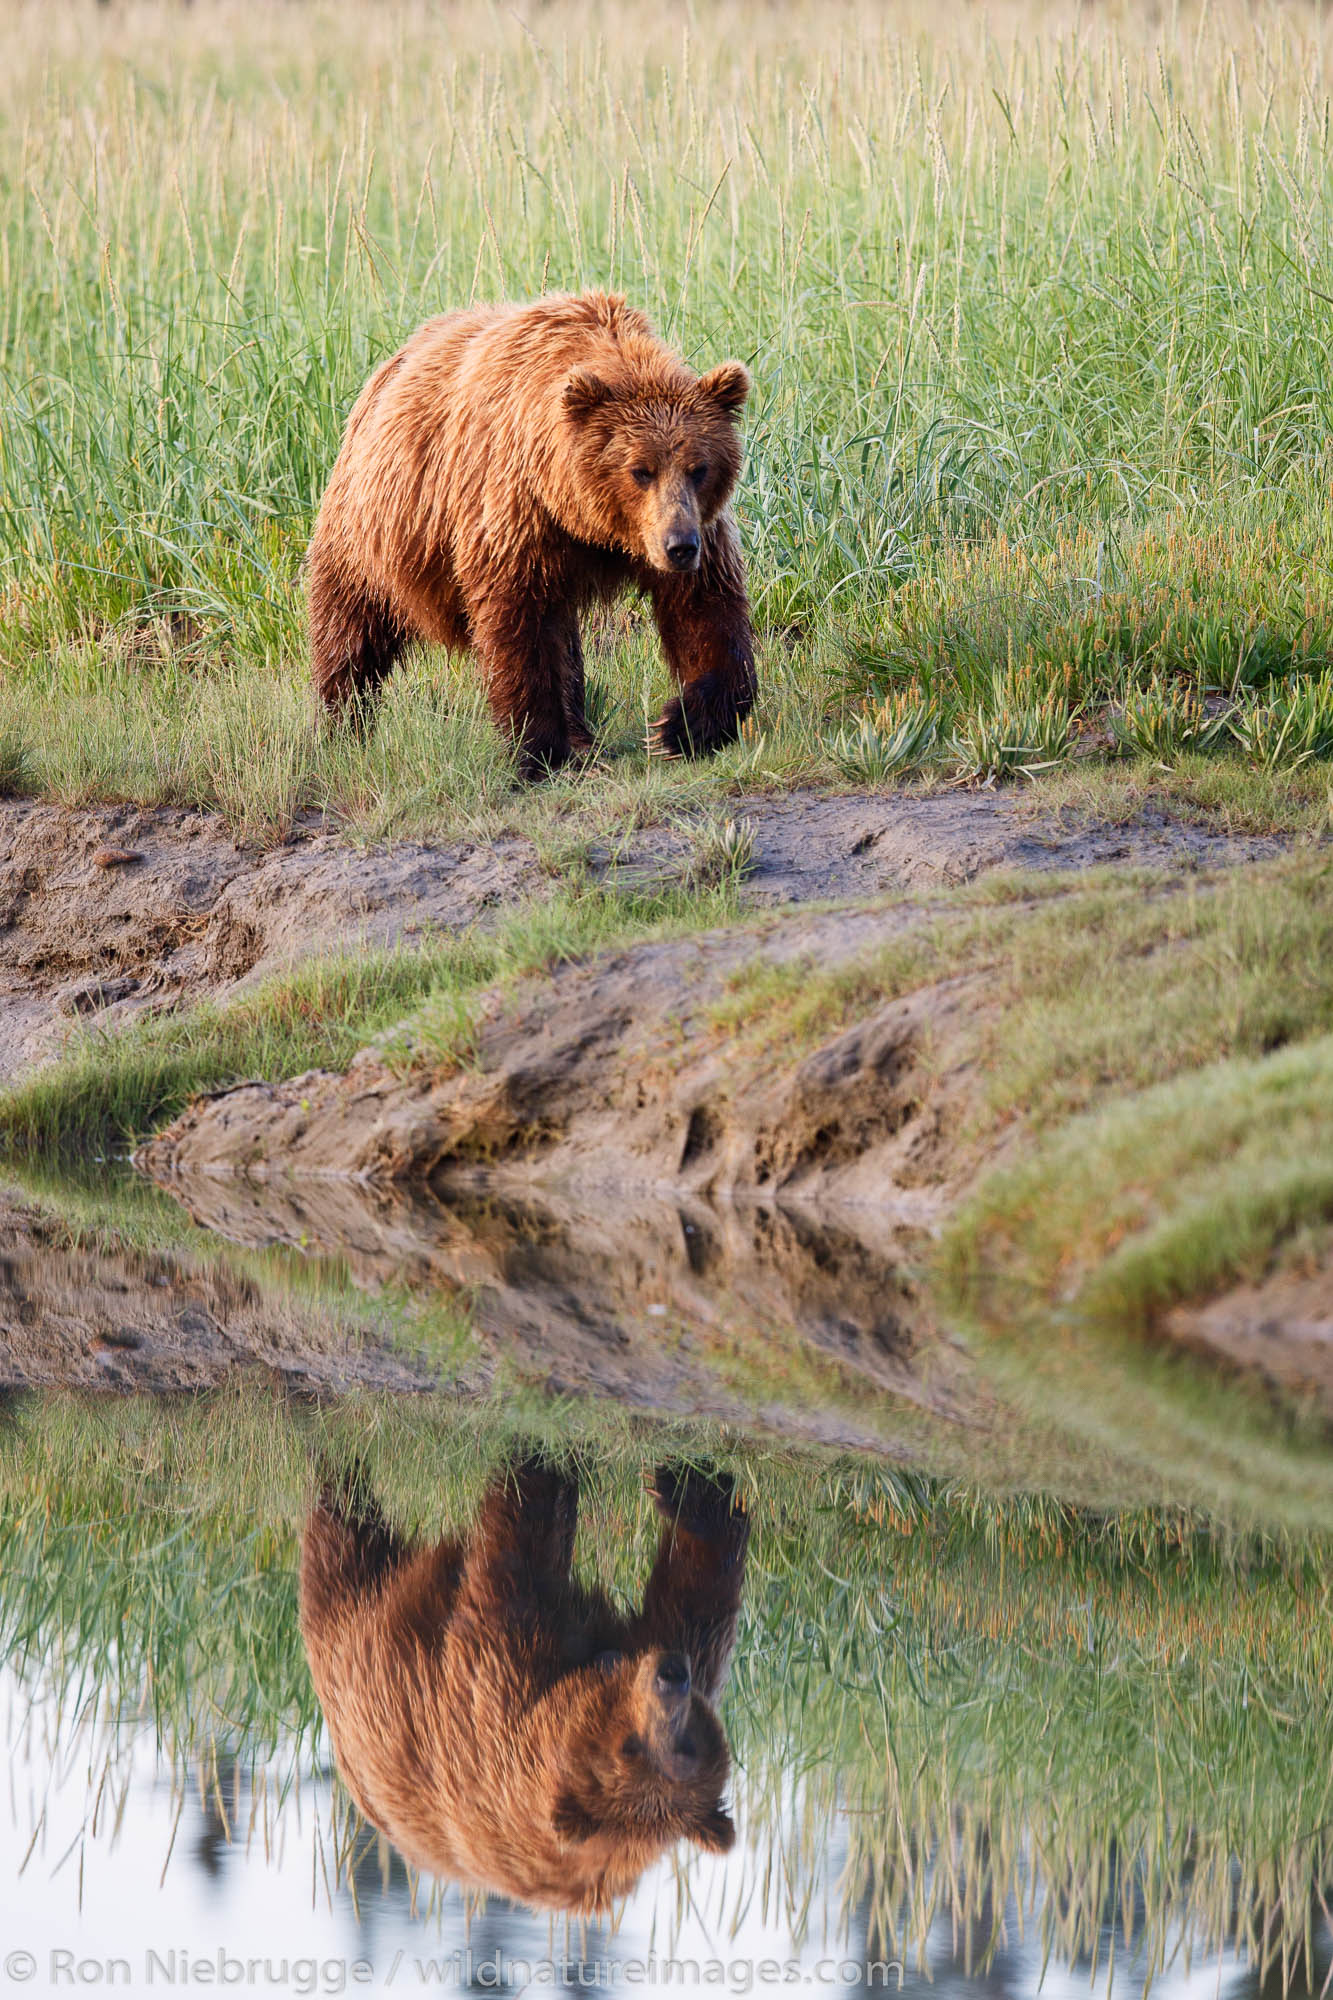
(1037, 318)
(113, 1088)
(1084, 988)
(1149, 1057)
(986, 1699)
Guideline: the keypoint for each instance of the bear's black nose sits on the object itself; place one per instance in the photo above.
(683, 550)
(673, 1674)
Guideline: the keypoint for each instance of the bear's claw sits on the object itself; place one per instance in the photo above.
(701, 1501)
(704, 717)
(662, 740)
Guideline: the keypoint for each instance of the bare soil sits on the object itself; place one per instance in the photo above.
(110, 912)
(78, 1315)
(812, 848)
(613, 1076)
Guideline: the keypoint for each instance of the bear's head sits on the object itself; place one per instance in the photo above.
(646, 1765)
(654, 453)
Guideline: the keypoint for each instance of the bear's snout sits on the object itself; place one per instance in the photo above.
(670, 523)
(682, 549)
(676, 1726)
(673, 1676)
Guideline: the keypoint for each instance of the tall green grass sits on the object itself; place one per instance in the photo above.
(1037, 314)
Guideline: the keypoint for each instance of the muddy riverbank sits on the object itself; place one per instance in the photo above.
(826, 1086)
(108, 913)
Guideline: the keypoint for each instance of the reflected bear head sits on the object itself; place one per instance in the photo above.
(652, 1763)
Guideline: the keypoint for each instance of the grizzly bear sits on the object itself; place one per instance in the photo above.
(506, 1727)
(505, 469)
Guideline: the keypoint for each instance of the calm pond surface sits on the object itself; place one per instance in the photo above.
(1022, 1672)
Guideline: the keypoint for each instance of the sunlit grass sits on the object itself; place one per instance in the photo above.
(1036, 318)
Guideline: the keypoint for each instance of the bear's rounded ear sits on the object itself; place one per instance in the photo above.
(571, 1822)
(727, 385)
(715, 1832)
(584, 392)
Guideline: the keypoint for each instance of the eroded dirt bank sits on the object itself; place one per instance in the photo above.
(622, 1075)
(629, 1205)
(110, 912)
(612, 1081)
(78, 1314)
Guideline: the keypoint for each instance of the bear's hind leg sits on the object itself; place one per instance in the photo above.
(523, 1544)
(347, 1552)
(355, 641)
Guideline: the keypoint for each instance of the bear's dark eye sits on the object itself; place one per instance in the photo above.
(631, 1748)
(698, 474)
(642, 474)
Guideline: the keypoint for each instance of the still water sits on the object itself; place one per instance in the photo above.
(183, 1885)
(857, 1668)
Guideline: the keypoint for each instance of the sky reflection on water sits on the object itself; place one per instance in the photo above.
(106, 1855)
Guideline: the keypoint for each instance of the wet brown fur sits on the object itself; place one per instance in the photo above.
(491, 485)
(505, 1727)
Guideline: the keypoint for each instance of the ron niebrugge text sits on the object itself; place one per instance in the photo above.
(463, 1970)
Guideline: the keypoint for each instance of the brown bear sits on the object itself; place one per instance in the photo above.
(506, 1727)
(508, 467)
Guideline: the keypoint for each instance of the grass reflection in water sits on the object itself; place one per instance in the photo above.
(951, 1715)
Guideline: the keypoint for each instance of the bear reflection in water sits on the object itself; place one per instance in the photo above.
(504, 1726)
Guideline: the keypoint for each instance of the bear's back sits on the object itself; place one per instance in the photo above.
(471, 364)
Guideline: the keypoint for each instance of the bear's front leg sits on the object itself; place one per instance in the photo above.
(694, 1593)
(523, 1545)
(704, 620)
(581, 740)
(524, 650)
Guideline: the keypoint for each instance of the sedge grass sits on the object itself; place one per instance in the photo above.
(1036, 317)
